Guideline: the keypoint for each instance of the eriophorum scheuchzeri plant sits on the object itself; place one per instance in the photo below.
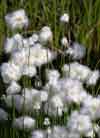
(47, 101)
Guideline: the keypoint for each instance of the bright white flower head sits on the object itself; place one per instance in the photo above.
(29, 70)
(9, 45)
(26, 43)
(38, 134)
(24, 122)
(39, 56)
(31, 42)
(43, 96)
(13, 88)
(64, 18)
(45, 35)
(33, 99)
(53, 86)
(72, 91)
(19, 40)
(46, 121)
(76, 71)
(91, 107)
(14, 101)
(17, 19)
(76, 51)
(13, 43)
(73, 135)
(64, 41)
(58, 132)
(93, 78)
(52, 75)
(76, 96)
(35, 55)
(3, 115)
(9, 72)
(55, 106)
(38, 46)
(35, 37)
(80, 123)
(19, 57)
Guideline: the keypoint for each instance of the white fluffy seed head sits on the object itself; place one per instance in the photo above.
(64, 18)
(54, 106)
(38, 134)
(13, 88)
(17, 19)
(58, 132)
(43, 96)
(29, 70)
(64, 41)
(9, 72)
(76, 71)
(52, 74)
(45, 35)
(93, 78)
(91, 107)
(35, 37)
(9, 45)
(24, 122)
(76, 51)
(80, 123)
(46, 121)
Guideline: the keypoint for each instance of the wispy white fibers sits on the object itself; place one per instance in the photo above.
(53, 87)
(72, 91)
(17, 42)
(64, 18)
(81, 72)
(95, 75)
(69, 90)
(39, 56)
(19, 57)
(46, 121)
(13, 88)
(54, 106)
(13, 43)
(24, 122)
(38, 134)
(80, 123)
(33, 39)
(76, 71)
(10, 71)
(9, 45)
(29, 70)
(52, 75)
(33, 99)
(16, 101)
(91, 107)
(45, 35)
(43, 96)
(76, 51)
(17, 19)
(58, 132)
(73, 135)
(64, 41)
